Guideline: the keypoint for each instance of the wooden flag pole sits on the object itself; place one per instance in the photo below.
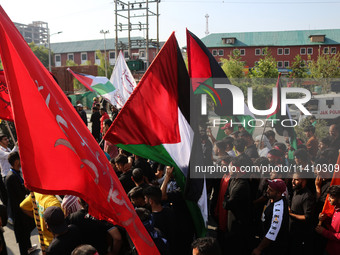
(10, 131)
(38, 223)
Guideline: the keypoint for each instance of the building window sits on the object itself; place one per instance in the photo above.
(287, 51)
(302, 51)
(214, 52)
(142, 54)
(126, 54)
(70, 56)
(264, 51)
(220, 52)
(230, 40)
(317, 38)
(279, 64)
(242, 52)
(286, 64)
(96, 59)
(333, 50)
(280, 51)
(326, 50)
(310, 51)
(112, 56)
(257, 52)
(57, 59)
(83, 57)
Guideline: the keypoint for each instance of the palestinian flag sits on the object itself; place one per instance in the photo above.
(204, 71)
(97, 84)
(154, 122)
(277, 118)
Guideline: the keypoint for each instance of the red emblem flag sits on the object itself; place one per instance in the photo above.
(58, 153)
(5, 102)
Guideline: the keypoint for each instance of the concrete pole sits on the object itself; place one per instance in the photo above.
(147, 34)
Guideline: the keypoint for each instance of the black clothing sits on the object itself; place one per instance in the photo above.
(3, 192)
(95, 120)
(3, 216)
(323, 195)
(166, 223)
(65, 243)
(23, 224)
(276, 226)
(301, 232)
(126, 181)
(146, 168)
(251, 151)
(114, 115)
(83, 116)
(185, 229)
(93, 231)
(237, 202)
(335, 144)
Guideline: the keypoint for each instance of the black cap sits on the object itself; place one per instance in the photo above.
(55, 219)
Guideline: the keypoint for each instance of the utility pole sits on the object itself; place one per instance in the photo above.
(206, 24)
(158, 25)
(105, 57)
(116, 39)
(135, 10)
(147, 34)
(49, 47)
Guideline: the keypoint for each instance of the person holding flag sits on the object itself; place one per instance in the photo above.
(332, 231)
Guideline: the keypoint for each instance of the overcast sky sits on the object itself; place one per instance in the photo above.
(83, 19)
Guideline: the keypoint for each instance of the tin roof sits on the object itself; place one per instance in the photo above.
(275, 38)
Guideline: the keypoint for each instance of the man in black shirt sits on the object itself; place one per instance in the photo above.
(164, 217)
(275, 220)
(82, 113)
(95, 120)
(251, 150)
(66, 237)
(301, 212)
(122, 165)
(23, 224)
(237, 202)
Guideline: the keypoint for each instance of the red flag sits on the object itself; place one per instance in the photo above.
(58, 153)
(5, 104)
(328, 209)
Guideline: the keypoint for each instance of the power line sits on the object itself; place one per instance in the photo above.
(249, 2)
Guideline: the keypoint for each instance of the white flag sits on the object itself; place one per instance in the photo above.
(123, 81)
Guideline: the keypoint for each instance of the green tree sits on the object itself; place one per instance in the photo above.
(70, 63)
(233, 67)
(321, 129)
(324, 69)
(41, 52)
(266, 67)
(299, 68)
(101, 66)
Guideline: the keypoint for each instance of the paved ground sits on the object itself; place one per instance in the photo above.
(13, 247)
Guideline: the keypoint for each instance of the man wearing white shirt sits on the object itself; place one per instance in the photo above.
(4, 152)
(5, 168)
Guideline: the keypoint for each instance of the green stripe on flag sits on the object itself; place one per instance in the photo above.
(159, 154)
(103, 89)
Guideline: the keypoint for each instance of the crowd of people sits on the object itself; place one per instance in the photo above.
(263, 213)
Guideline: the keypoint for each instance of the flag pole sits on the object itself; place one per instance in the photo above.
(38, 224)
(265, 125)
(10, 131)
